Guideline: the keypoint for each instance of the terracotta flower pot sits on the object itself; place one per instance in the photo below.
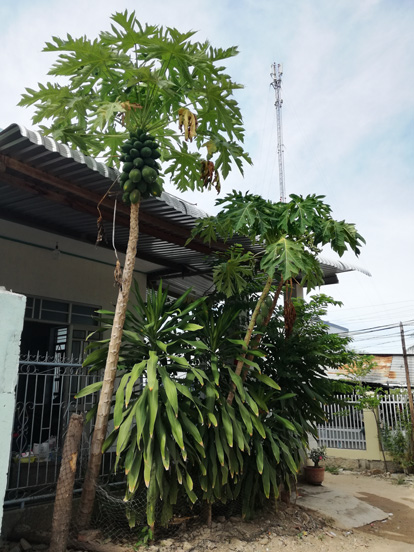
(314, 476)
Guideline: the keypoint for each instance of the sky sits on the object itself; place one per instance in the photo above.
(348, 119)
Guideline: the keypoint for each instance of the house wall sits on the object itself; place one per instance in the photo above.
(77, 272)
(12, 307)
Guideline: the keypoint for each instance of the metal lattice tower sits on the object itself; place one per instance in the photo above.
(276, 74)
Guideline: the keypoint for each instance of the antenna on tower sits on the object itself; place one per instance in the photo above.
(276, 74)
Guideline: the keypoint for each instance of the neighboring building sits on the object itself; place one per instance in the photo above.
(336, 329)
(389, 371)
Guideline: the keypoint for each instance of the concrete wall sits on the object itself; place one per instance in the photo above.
(77, 272)
(12, 308)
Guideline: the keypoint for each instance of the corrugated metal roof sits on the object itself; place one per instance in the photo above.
(389, 371)
(27, 198)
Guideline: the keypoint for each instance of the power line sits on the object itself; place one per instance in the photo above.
(376, 328)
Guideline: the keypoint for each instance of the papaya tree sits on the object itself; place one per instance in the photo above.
(134, 84)
(286, 239)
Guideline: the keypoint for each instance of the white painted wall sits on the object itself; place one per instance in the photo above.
(12, 307)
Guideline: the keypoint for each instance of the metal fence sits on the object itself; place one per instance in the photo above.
(345, 426)
(392, 410)
(45, 400)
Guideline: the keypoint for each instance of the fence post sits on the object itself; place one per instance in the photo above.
(372, 438)
(12, 307)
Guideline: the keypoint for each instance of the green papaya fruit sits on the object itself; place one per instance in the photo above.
(127, 167)
(125, 198)
(155, 154)
(138, 145)
(150, 162)
(126, 146)
(156, 189)
(123, 177)
(149, 175)
(133, 153)
(146, 152)
(135, 176)
(138, 162)
(135, 196)
(129, 186)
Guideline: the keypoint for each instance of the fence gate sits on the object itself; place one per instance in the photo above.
(45, 400)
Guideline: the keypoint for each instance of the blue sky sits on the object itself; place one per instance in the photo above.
(348, 115)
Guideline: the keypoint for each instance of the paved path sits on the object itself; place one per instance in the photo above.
(347, 511)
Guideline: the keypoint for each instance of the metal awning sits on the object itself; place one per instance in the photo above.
(47, 185)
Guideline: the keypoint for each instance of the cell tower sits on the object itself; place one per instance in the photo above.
(276, 74)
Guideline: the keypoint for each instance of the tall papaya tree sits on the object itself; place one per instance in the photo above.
(286, 240)
(138, 83)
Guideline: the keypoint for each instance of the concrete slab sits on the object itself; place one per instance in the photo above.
(347, 511)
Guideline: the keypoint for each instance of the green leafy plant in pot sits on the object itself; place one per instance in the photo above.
(314, 475)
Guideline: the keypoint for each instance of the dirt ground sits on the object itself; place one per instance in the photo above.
(298, 530)
(294, 528)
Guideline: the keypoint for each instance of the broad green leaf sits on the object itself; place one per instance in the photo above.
(227, 425)
(258, 446)
(133, 474)
(191, 428)
(288, 457)
(212, 418)
(246, 416)
(268, 381)
(152, 369)
(109, 441)
(259, 426)
(192, 327)
(124, 432)
(176, 429)
(119, 401)
(152, 407)
(91, 413)
(169, 388)
(136, 373)
(89, 389)
(219, 447)
(286, 423)
(197, 344)
(141, 414)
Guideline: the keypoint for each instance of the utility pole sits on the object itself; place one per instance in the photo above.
(276, 74)
(410, 393)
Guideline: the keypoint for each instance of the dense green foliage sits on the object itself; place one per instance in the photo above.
(147, 77)
(175, 431)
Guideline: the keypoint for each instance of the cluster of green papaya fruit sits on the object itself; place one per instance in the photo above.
(139, 176)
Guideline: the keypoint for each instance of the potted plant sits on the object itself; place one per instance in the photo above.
(314, 475)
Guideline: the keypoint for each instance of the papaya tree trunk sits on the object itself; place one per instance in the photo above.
(258, 338)
(105, 399)
(249, 332)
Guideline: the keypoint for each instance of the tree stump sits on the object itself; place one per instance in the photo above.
(62, 511)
